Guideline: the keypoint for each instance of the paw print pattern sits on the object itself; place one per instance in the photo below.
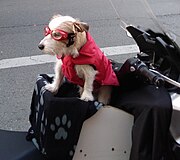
(41, 100)
(37, 111)
(39, 78)
(71, 152)
(98, 105)
(43, 123)
(42, 91)
(36, 87)
(60, 127)
(43, 130)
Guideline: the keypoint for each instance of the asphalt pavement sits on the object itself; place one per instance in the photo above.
(21, 29)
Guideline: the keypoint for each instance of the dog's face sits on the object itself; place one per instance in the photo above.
(62, 36)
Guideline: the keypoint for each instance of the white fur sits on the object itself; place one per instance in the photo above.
(57, 78)
(86, 72)
(55, 22)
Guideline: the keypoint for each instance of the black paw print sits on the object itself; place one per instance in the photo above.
(60, 127)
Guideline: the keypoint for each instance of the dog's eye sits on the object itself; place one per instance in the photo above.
(56, 34)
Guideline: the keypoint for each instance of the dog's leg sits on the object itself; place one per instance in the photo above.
(57, 78)
(104, 94)
(88, 73)
(80, 90)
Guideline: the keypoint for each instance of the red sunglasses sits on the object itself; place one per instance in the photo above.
(56, 34)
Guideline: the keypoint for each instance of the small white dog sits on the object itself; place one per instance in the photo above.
(79, 59)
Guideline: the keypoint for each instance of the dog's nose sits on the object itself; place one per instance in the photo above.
(41, 46)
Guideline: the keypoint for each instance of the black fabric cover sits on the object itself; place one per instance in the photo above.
(151, 107)
(56, 120)
(13, 146)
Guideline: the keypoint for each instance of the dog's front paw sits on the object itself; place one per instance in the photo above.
(52, 88)
(87, 96)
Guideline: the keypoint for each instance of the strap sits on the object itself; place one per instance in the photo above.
(70, 39)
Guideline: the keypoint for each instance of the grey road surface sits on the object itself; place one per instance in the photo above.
(21, 29)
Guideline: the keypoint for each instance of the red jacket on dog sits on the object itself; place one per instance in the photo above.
(90, 54)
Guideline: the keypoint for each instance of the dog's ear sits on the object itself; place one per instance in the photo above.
(81, 26)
